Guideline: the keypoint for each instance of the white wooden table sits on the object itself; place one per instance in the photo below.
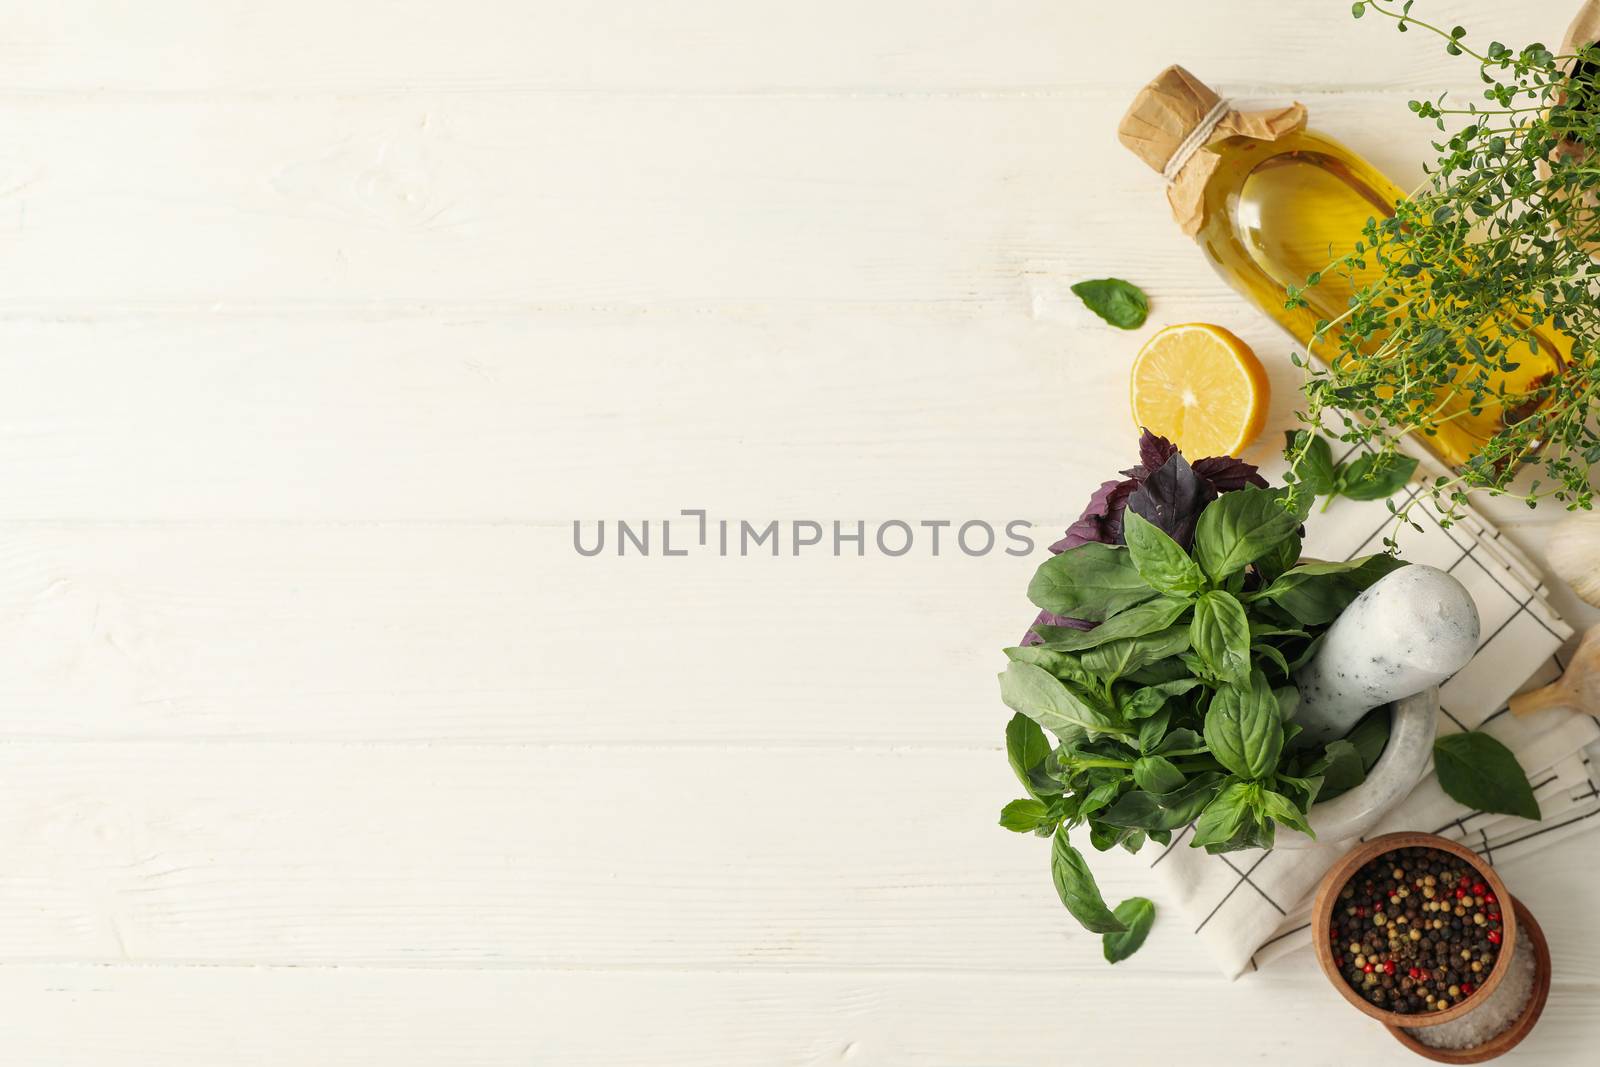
(321, 324)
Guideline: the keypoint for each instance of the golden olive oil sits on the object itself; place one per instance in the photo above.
(1276, 211)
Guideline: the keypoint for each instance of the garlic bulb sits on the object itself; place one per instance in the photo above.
(1574, 554)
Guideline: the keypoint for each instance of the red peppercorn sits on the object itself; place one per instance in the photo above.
(1494, 937)
(1460, 893)
(1466, 989)
(1490, 898)
(1338, 961)
(1388, 967)
(1478, 889)
(1414, 972)
(1367, 968)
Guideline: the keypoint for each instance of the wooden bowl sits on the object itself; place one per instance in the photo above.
(1345, 869)
(1511, 1036)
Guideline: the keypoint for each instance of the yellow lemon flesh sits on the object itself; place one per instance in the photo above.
(1201, 388)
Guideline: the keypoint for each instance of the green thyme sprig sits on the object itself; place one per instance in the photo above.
(1453, 291)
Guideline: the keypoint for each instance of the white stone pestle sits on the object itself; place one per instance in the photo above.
(1409, 631)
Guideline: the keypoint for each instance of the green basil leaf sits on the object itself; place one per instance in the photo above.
(1022, 816)
(1026, 748)
(1040, 696)
(1220, 636)
(1077, 889)
(1137, 621)
(1288, 698)
(1156, 774)
(1160, 560)
(1120, 303)
(1370, 736)
(1342, 771)
(1279, 559)
(1090, 582)
(1268, 652)
(1230, 812)
(1131, 842)
(1279, 807)
(1315, 469)
(1376, 476)
(1138, 915)
(1181, 742)
(1480, 772)
(1118, 659)
(1160, 671)
(1240, 527)
(1317, 593)
(1242, 728)
(1162, 812)
(1101, 795)
(1152, 698)
(1153, 729)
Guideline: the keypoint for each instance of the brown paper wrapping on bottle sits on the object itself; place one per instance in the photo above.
(1173, 106)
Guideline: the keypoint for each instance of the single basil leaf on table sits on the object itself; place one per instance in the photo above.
(1026, 748)
(1242, 729)
(1119, 659)
(1137, 621)
(1376, 476)
(1156, 774)
(1240, 527)
(1077, 889)
(1171, 499)
(1219, 633)
(1089, 582)
(1480, 772)
(1042, 697)
(1160, 560)
(1315, 468)
(1120, 303)
(1138, 915)
(1162, 812)
(1021, 816)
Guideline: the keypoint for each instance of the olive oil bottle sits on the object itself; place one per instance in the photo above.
(1270, 203)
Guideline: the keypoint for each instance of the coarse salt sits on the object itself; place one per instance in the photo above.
(1502, 1007)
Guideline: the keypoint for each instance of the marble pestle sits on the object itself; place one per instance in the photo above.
(1408, 631)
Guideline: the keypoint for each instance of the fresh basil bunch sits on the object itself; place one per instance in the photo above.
(1177, 705)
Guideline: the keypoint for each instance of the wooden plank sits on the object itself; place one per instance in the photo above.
(154, 1017)
(493, 633)
(725, 45)
(509, 204)
(719, 858)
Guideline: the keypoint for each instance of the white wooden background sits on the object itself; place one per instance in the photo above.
(321, 322)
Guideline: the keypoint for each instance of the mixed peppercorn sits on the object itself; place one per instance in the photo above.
(1416, 930)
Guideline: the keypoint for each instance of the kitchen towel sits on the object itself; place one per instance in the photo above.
(1252, 907)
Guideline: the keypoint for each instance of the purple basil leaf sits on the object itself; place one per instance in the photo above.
(1101, 520)
(1047, 619)
(1227, 473)
(1154, 452)
(1172, 499)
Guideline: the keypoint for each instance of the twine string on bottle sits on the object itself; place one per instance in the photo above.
(1191, 144)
